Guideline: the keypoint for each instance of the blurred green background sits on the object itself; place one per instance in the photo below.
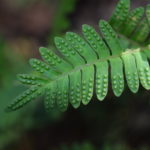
(114, 124)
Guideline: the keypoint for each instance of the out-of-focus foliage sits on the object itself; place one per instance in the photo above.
(120, 147)
(3, 65)
(26, 3)
(10, 129)
(89, 146)
(61, 21)
(9, 63)
(76, 146)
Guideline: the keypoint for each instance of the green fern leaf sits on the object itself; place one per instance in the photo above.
(84, 65)
(131, 72)
(62, 93)
(75, 88)
(120, 13)
(101, 79)
(26, 97)
(71, 55)
(87, 83)
(82, 47)
(55, 61)
(50, 97)
(42, 68)
(95, 41)
(31, 79)
(142, 32)
(132, 21)
(111, 38)
(133, 26)
(143, 69)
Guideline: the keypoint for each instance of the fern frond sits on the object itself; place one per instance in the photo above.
(132, 21)
(141, 33)
(133, 24)
(31, 79)
(120, 14)
(85, 64)
(25, 98)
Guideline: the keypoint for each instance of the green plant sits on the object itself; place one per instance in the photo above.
(61, 21)
(89, 146)
(77, 146)
(82, 66)
(3, 60)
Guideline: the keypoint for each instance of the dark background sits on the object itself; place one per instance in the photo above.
(114, 124)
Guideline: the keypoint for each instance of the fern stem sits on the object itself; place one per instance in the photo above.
(129, 51)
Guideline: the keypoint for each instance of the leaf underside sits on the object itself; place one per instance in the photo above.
(121, 53)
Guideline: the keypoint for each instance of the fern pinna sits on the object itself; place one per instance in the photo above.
(82, 67)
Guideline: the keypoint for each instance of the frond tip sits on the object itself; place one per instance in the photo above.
(85, 64)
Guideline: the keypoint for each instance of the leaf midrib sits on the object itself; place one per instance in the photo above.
(128, 51)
